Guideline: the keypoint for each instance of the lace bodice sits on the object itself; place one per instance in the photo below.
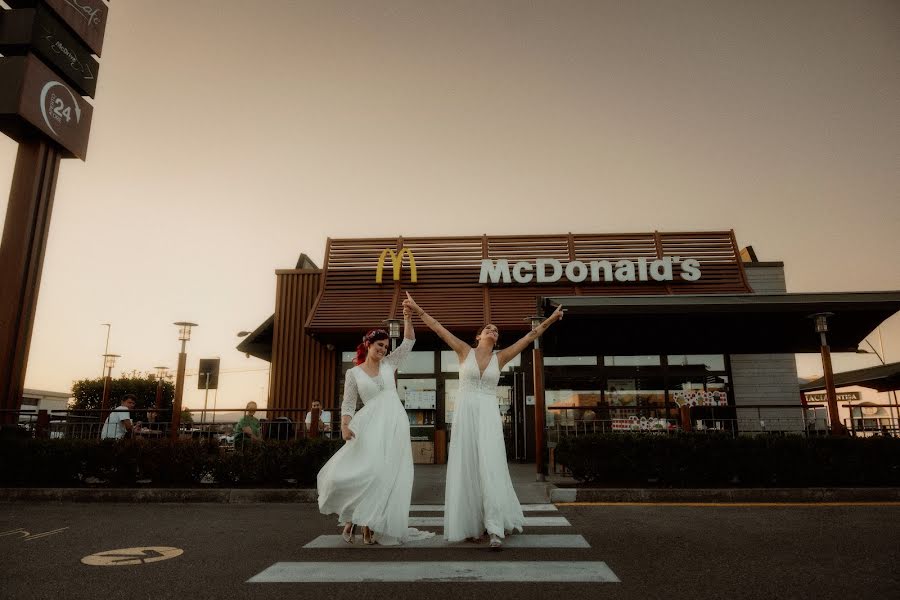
(359, 384)
(471, 380)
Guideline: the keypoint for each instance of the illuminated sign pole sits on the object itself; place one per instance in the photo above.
(46, 68)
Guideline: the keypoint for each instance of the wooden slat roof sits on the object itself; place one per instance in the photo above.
(448, 268)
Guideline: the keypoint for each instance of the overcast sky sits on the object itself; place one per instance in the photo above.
(229, 137)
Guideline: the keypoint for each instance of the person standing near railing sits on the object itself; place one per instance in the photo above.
(324, 420)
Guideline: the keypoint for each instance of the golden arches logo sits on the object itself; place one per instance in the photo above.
(397, 263)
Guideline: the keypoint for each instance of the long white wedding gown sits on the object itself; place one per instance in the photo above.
(369, 480)
(479, 494)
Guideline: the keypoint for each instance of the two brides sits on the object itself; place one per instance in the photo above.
(368, 482)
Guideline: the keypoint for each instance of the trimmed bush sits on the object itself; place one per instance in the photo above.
(45, 462)
(701, 460)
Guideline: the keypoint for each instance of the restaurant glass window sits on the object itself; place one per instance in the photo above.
(641, 360)
(707, 397)
(576, 412)
(419, 398)
(708, 362)
(570, 361)
(635, 401)
(417, 362)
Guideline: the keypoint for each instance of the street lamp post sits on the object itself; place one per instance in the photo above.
(106, 348)
(161, 373)
(109, 361)
(184, 335)
(538, 367)
(821, 322)
(393, 331)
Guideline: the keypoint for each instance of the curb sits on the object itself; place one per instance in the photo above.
(798, 495)
(139, 495)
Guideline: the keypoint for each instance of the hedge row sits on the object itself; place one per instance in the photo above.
(45, 462)
(699, 460)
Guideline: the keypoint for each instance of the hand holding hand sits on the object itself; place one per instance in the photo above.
(407, 312)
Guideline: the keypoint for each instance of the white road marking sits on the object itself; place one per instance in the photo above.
(529, 522)
(513, 541)
(487, 571)
(525, 508)
(132, 556)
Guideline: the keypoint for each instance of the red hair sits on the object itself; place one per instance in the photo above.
(363, 349)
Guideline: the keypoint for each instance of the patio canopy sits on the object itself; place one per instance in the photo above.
(883, 378)
(723, 323)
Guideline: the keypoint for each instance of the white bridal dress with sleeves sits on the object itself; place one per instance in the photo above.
(479, 495)
(369, 480)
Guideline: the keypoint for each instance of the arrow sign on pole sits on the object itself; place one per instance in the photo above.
(87, 18)
(40, 31)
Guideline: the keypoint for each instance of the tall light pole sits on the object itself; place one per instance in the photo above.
(161, 373)
(184, 335)
(393, 331)
(106, 349)
(821, 321)
(109, 361)
(538, 368)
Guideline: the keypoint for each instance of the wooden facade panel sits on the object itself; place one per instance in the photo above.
(302, 368)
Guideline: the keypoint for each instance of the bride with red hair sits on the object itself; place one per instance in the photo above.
(368, 482)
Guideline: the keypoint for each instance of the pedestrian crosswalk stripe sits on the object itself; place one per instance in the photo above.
(529, 522)
(525, 508)
(483, 571)
(513, 541)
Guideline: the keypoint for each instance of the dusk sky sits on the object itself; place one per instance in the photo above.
(230, 136)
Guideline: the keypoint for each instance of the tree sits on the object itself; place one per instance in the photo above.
(88, 393)
(186, 417)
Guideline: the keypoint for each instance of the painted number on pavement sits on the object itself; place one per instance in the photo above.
(131, 556)
(27, 536)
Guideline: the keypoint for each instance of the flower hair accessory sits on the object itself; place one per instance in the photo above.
(374, 334)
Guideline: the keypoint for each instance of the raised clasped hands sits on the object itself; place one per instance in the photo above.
(410, 304)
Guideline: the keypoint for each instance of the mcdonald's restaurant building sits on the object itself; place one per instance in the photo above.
(662, 330)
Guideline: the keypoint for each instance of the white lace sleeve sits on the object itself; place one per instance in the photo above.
(396, 358)
(348, 405)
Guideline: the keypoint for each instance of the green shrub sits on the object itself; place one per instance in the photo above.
(45, 462)
(695, 460)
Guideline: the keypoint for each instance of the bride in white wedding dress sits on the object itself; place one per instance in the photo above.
(368, 482)
(479, 495)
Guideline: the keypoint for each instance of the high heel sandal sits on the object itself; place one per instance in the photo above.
(347, 535)
(368, 536)
(496, 542)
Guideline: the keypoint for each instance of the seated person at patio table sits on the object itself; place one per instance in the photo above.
(324, 419)
(247, 428)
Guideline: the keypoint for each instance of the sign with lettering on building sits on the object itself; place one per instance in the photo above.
(841, 397)
(551, 270)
